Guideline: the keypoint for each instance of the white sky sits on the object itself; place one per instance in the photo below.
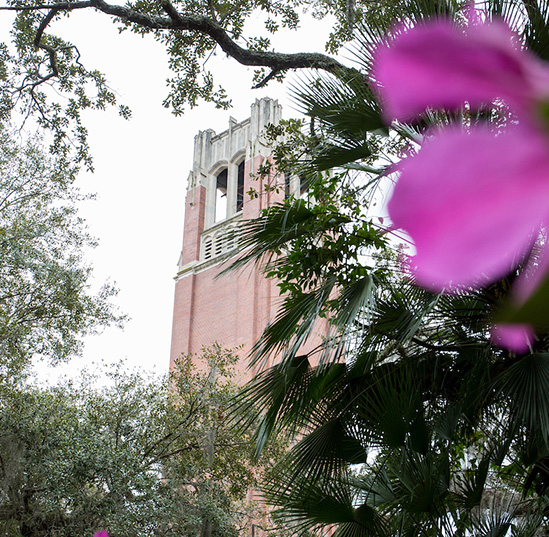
(141, 169)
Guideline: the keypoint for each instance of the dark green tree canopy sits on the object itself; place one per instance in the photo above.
(137, 457)
(409, 420)
(46, 304)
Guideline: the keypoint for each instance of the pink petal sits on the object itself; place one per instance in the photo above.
(518, 338)
(101, 534)
(438, 65)
(472, 203)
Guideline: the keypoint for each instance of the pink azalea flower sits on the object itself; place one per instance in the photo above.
(472, 200)
(515, 337)
(438, 65)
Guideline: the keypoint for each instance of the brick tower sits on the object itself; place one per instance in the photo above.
(233, 309)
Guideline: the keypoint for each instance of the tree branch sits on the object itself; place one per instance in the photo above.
(211, 10)
(262, 83)
(54, 71)
(50, 50)
(60, 6)
(172, 436)
(276, 61)
(430, 346)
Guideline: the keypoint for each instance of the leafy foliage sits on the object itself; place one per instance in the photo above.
(137, 457)
(44, 78)
(45, 303)
(410, 421)
(426, 427)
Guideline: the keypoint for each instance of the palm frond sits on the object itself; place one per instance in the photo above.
(278, 398)
(524, 385)
(345, 106)
(264, 238)
(293, 324)
(326, 504)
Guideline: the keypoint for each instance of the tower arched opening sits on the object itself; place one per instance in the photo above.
(221, 205)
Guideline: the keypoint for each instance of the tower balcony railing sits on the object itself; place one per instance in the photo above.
(221, 239)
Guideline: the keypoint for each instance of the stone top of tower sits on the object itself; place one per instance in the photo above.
(241, 140)
(224, 171)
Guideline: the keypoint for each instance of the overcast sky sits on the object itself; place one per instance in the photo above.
(141, 169)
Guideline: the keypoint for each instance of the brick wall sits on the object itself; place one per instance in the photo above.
(234, 309)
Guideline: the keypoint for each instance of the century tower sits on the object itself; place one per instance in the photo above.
(231, 310)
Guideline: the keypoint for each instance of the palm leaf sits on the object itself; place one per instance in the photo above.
(328, 504)
(293, 324)
(345, 107)
(277, 398)
(524, 385)
(264, 238)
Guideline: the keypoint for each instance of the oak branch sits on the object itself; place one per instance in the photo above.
(175, 21)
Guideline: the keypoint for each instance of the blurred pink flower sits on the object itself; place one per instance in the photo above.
(472, 201)
(515, 337)
(101, 534)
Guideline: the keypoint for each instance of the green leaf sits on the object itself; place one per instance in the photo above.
(333, 156)
(525, 386)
